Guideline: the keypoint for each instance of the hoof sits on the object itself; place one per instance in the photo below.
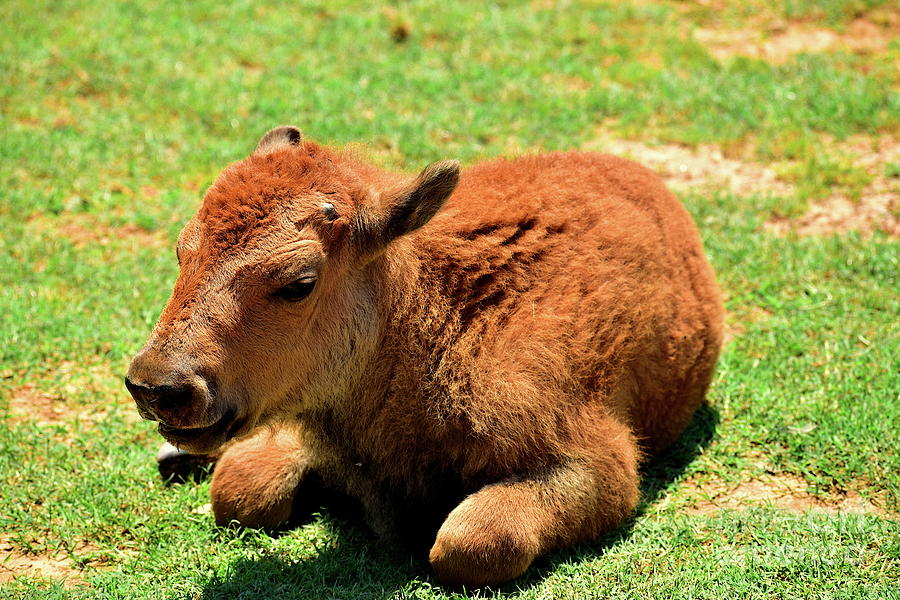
(178, 466)
(476, 548)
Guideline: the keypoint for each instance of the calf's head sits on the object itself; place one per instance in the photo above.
(278, 302)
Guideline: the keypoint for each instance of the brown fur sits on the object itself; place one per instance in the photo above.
(256, 479)
(493, 375)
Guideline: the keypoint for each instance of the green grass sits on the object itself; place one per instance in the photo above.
(115, 117)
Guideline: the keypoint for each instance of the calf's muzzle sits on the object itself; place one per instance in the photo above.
(170, 390)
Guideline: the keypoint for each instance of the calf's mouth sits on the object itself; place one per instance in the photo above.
(204, 439)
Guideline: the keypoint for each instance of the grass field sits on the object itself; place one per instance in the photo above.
(778, 124)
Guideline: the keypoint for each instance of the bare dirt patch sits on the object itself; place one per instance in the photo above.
(14, 564)
(732, 330)
(86, 233)
(872, 212)
(706, 169)
(783, 490)
(84, 230)
(29, 403)
(736, 325)
(73, 395)
(571, 83)
(703, 168)
(777, 42)
(876, 209)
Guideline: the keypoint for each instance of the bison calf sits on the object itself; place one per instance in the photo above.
(480, 357)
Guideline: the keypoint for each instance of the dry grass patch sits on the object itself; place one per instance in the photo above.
(732, 329)
(782, 490)
(14, 563)
(64, 402)
(85, 229)
(777, 42)
(736, 325)
(27, 403)
(876, 209)
(839, 214)
(570, 83)
(704, 168)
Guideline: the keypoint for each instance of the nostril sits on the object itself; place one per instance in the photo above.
(143, 398)
(140, 393)
(133, 388)
(158, 399)
(171, 397)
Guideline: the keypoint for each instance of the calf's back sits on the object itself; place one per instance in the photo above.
(549, 292)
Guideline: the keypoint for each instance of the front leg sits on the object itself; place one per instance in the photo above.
(495, 534)
(179, 466)
(256, 479)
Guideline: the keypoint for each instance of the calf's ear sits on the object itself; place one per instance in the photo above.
(414, 206)
(278, 138)
(411, 207)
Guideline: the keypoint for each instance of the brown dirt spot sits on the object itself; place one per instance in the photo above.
(29, 403)
(732, 330)
(872, 212)
(736, 326)
(400, 32)
(14, 564)
(571, 83)
(877, 208)
(84, 229)
(148, 191)
(252, 66)
(704, 167)
(73, 396)
(779, 42)
(27, 121)
(783, 490)
(400, 27)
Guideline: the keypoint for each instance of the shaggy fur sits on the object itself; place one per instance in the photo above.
(485, 354)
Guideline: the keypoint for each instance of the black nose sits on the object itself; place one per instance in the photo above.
(155, 401)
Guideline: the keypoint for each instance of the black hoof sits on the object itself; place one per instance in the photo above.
(178, 466)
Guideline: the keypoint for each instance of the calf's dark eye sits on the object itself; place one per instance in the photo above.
(297, 290)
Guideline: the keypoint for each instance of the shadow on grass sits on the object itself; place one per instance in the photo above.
(356, 565)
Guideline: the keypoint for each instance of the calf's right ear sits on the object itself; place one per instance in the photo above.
(409, 208)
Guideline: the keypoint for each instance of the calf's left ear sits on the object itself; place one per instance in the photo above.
(410, 208)
(278, 138)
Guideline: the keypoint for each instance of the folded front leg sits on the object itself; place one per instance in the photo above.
(256, 479)
(496, 533)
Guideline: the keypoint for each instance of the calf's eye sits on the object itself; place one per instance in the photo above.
(297, 290)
